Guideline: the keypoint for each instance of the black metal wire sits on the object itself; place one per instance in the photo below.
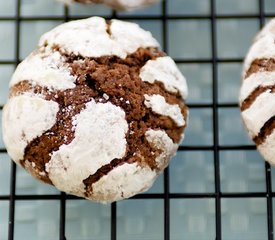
(114, 221)
(161, 196)
(166, 171)
(11, 198)
(143, 17)
(267, 166)
(216, 122)
(13, 165)
(62, 228)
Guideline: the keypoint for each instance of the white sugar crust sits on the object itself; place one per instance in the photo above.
(128, 5)
(256, 80)
(26, 117)
(262, 109)
(160, 140)
(89, 38)
(99, 138)
(263, 46)
(267, 148)
(159, 105)
(46, 70)
(122, 182)
(164, 70)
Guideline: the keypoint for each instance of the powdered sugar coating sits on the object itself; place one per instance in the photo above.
(89, 38)
(128, 5)
(160, 106)
(259, 112)
(263, 46)
(160, 140)
(46, 70)
(164, 70)
(22, 122)
(75, 162)
(123, 182)
(255, 80)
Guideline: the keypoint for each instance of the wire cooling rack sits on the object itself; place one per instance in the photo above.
(217, 187)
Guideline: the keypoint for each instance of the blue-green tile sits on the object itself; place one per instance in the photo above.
(244, 219)
(242, 171)
(6, 73)
(237, 7)
(4, 219)
(36, 220)
(5, 168)
(229, 82)
(234, 36)
(189, 39)
(192, 172)
(199, 81)
(7, 39)
(188, 7)
(87, 220)
(89, 10)
(7, 8)
(26, 184)
(192, 219)
(199, 130)
(140, 219)
(231, 128)
(41, 8)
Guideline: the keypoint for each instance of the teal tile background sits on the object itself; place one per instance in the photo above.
(138, 219)
(192, 219)
(192, 172)
(5, 174)
(189, 39)
(37, 220)
(87, 221)
(235, 36)
(4, 219)
(242, 171)
(244, 219)
(7, 39)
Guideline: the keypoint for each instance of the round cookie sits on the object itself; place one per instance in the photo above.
(97, 110)
(257, 95)
(120, 5)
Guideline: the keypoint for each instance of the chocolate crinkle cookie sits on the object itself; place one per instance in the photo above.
(257, 95)
(121, 5)
(97, 110)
